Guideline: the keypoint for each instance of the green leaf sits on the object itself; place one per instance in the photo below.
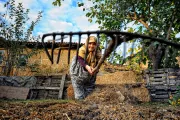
(88, 14)
(90, 20)
(57, 3)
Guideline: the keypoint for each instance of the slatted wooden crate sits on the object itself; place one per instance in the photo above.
(162, 83)
(50, 87)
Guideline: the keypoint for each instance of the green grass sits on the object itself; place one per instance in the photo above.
(38, 101)
(159, 105)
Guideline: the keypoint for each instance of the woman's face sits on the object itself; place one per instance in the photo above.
(91, 46)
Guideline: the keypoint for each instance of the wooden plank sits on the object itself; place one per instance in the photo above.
(178, 78)
(147, 79)
(45, 94)
(159, 92)
(52, 96)
(45, 88)
(173, 74)
(172, 79)
(55, 82)
(172, 82)
(56, 85)
(33, 94)
(171, 70)
(159, 100)
(43, 85)
(157, 71)
(67, 83)
(157, 75)
(167, 78)
(173, 88)
(61, 87)
(14, 92)
(153, 91)
(54, 92)
(158, 83)
(157, 79)
(159, 87)
(49, 80)
(160, 96)
(56, 79)
(177, 82)
(56, 76)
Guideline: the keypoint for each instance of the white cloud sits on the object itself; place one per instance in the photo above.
(2, 9)
(87, 3)
(66, 18)
(56, 13)
(84, 25)
(26, 3)
(93, 27)
(33, 15)
(81, 22)
(59, 25)
(51, 26)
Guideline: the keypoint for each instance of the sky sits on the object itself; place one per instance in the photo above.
(66, 18)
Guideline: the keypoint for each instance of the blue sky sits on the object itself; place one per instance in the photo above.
(68, 17)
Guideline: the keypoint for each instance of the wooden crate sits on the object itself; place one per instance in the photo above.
(162, 83)
(50, 87)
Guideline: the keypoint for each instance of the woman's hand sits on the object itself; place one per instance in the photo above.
(95, 70)
(89, 69)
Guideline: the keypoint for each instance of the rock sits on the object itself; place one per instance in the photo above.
(18, 81)
(94, 106)
(121, 97)
(26, 113)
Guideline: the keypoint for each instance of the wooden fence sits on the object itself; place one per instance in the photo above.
(50, 87)
(162, 83)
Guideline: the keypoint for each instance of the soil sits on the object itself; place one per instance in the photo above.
(119, 95)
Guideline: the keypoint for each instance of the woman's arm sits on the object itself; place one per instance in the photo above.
(83, 64)
(81, 61)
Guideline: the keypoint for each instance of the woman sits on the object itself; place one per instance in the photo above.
(81, 71)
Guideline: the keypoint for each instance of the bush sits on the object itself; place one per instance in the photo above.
(175, 99)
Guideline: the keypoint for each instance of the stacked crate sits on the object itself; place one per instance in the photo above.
(162, 83)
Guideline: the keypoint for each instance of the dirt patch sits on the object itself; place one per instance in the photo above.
(117, 96)
(115, 85)
(119, 77)
(86, 110)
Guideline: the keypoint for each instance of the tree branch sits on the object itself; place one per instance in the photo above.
(170, 28)
(139, 20)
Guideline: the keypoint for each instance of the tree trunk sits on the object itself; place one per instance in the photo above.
(156, 53)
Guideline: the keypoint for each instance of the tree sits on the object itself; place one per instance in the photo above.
(157, 18)
(15, 33)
